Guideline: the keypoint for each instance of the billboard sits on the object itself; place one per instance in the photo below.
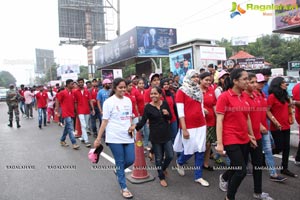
(72, 18)
(44, 60)
(212, 53)
(180, 62)
(294, 65)
(67, 69)
(251, 63)
(154, 41)
(287, 18)
(119, 49)
(138, 42)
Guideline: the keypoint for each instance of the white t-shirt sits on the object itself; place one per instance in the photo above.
(118, 112)
(51, 99)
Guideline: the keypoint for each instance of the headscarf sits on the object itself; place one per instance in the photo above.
(190, 88)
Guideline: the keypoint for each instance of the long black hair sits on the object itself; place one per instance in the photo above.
(116, 82)
(166, 92)
(278, 92)
(234, 75)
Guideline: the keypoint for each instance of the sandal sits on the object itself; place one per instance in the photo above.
(150, 156)
(126, 194)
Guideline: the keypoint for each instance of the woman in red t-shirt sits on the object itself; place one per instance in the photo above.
(170, 99)
(234, 130)
(256, 120)
(210, 116)
(278, 113)
(132, 98)
(189, 102)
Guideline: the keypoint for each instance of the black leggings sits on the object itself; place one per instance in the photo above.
(282, 144)
(257, 163)
(238, 155)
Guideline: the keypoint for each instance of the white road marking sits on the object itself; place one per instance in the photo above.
(291, 158)
(110, 159)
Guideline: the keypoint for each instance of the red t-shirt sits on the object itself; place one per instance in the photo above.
(255, 113)
(21, 92)
(140, 101)
(82, 98)
(280, 111)
(94, 92)
(209, 102)
(66, 99)
(41, 98)
(193, 112)
(296, 97)
(133, 101)
(170, 101)
(263, 108)
(147, 95)
(235, 110)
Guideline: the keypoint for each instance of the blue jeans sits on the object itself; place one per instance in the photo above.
(174, 130)
(199, 159)
(68, 130)
(22, 107)
(161, 150)
(146, 133)
(267, 149)
(94, 118)
(41, 115)
(124, 157)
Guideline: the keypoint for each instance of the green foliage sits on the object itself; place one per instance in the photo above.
(274, 48)
(6, 78)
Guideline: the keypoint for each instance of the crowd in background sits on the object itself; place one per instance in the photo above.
(225, 115)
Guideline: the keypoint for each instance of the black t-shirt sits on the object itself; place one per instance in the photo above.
(158, 123)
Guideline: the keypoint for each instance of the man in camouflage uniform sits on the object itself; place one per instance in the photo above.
(12, 97)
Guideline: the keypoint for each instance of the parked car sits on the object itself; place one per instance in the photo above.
(3, 94)
(292, 81)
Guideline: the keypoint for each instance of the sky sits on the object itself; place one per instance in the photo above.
(31, 24)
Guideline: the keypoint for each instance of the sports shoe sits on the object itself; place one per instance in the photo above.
(87, 144)
(179, 169)
(76, 146)
(277, 178)
(288, 173)
(223, 185)
(64, 144)
(81, 139)
(263, 196)
(202, 182)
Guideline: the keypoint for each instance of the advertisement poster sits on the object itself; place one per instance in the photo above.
(181, 62)
(67, 69)
(286, 19)
(107, 74)
(155, 41)
(121, 48)
(251, 63)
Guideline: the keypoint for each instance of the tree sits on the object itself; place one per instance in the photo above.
(6, 78)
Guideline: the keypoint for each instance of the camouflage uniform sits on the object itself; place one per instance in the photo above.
(12, 97)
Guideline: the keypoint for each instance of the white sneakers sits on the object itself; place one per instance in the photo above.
(202, 182)
(179, 169)
(223, 185)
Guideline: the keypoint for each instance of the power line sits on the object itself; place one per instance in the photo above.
(212, 15)
(199, 11)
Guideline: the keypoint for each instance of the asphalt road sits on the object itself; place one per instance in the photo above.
(33, 166)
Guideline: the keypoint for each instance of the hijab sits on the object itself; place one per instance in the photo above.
(190, 88)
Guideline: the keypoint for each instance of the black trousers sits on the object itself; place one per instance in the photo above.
(257, 163)
(238, 155)
(282, 144)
